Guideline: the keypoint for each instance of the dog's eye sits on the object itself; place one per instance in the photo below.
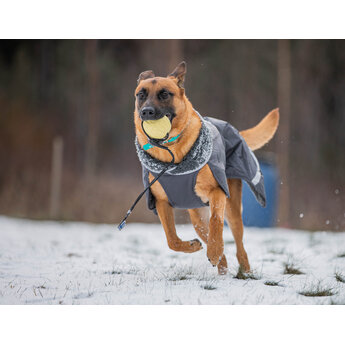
(141, 95)
(163, 95)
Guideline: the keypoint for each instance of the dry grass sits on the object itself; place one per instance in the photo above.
(291, 268)
(317, 291)
(119, 272)
(339, 277)
(271, 283)
(241, 274)
(178, 277)
(184, 273)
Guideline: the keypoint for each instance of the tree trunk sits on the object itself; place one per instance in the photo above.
(93, 107)
(283, 134)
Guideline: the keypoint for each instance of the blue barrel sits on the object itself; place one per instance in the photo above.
(253, 213)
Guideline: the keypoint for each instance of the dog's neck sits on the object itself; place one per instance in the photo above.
(188, 135)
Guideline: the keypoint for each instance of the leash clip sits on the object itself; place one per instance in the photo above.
(123, 223)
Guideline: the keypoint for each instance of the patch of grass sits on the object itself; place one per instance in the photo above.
(271, 283)
(341, 255)
(209, 287)
(291, 268)
(181, 273)
(178, 277)
(339, 277)
(116, 272)
(244, 276)
(317, 291)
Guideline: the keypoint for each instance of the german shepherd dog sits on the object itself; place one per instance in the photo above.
(160, 96)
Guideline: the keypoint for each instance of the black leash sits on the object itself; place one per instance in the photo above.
(153, 142)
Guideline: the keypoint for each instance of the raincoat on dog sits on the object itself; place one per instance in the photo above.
(221, 147)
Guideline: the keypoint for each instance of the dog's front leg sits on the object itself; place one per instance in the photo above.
(200, 220)
(166, 216)
(215, 243)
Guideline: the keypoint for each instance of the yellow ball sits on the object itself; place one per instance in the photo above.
(157, 129)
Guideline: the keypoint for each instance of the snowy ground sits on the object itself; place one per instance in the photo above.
(79, 263)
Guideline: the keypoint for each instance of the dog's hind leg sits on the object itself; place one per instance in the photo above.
(233, 214)
(215, 243)
(166, 216)
(200, 218)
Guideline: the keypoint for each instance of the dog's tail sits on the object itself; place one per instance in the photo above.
(263, 132)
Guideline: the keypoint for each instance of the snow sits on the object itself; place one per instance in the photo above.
(43, 262)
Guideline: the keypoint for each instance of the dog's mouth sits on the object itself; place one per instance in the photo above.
(157, 129)
(169, 115)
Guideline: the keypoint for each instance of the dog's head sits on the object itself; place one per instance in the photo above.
(156, 97)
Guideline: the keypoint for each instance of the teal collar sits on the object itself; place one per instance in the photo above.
(149, 146)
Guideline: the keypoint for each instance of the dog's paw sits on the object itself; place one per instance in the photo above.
(243, 261)
(196, 244)
(215, 252)
(222, 266)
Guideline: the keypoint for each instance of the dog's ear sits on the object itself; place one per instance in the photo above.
(145, 75)
(179, 73)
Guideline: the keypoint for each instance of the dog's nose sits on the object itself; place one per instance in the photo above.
(148, 113)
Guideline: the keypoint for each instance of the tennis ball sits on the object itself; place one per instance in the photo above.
(157, 129)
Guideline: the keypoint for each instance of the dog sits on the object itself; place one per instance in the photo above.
(156, 97)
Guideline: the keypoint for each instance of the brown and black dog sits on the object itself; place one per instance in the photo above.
(159, 96)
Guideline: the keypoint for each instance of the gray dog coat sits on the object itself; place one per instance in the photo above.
(220, 146)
